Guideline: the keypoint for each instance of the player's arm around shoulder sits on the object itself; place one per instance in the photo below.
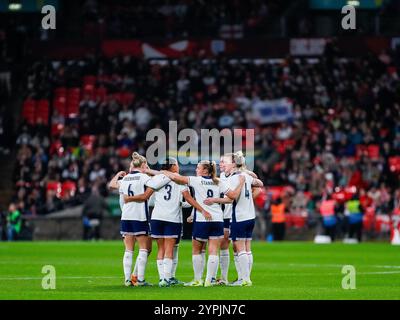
(257, 183)
(176, 177)
(196, 205)
(114, 184)
(235, 193)
(140, 197)
(224, 200)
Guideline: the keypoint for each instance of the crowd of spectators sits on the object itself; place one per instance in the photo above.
(345, 126)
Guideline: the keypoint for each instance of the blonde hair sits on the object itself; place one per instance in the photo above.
(238, 159)
(211, 167)
(137, 160)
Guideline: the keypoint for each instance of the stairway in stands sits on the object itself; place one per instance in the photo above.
(7, 164)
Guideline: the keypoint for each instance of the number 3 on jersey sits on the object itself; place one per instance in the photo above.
(168, 187)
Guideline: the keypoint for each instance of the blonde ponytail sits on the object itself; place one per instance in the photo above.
(239, 160)
(211, 167)
(137, 160)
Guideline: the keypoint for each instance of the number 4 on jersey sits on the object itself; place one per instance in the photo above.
(246, 191)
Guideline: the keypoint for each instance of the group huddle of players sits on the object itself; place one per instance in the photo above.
(223, 211)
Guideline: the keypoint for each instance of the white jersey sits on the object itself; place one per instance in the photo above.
(167, 199)
(121, 197)
(204, 187)
(134, 184)
(243, 207)
(121, 201)
(227, 206)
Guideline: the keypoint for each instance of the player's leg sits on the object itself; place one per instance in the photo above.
(239, 234)
(203, 257)
(243, 259)
(134, 273)
(197, 264)
(232, 236)
(175, 259)
(236, 261)
(213, 260)
(224, 257)
(127, 259)
(249, 227)
(142, 258)
(249, 254)
(160, 258)
(169, 244)
(174, 281)
(149, 245)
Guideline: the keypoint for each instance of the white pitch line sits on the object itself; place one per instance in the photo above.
(336, 265)
(62, 277)
(108, 277)
(379, 272)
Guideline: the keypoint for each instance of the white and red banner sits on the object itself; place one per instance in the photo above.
(307, 47)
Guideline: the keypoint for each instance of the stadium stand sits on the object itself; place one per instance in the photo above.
(345, 131)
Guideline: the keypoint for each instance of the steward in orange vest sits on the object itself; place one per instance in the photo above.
(278, 219)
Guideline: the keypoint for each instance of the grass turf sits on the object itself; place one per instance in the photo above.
(289, 270)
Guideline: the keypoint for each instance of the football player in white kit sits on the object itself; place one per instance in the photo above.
(206, 228)
(225, 165)
(134, 219)
(166, 220)
(243, 217)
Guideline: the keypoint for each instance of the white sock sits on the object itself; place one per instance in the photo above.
(224, 262)
(203, 262)
(244, 265)
(167, 268)
(175, 260)
(197, 266)
(160, 268)
(135, 268)
(250, 255)
(237, 265)
(127, 263)
(212, 267)
(142, 262)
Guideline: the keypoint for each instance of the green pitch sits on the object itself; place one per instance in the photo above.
(290, 270)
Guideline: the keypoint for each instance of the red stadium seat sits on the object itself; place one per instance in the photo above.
(60, 104)
(373, 151)
(101, 93)
(68, 187)
(382, 223)
(124, 152)
(127, 98)
(89, 80)
(87, 142)
(369, 219)
(56, 147)
(117, 96)
(29, 110)
(394, 164)
(42, 111)
(54, 186)
(261, 198)
(56, 129)
(60, 91)
(276, 191)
